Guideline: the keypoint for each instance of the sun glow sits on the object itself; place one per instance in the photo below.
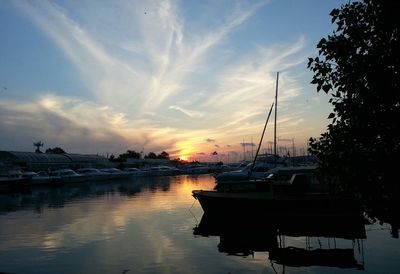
(186, 150)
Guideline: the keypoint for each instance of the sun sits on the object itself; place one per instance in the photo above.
(184, 157)
(186, 150)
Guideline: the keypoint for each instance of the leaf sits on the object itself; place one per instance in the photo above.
(327, 87)
(332, 115)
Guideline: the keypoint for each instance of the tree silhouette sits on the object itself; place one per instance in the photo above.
(358, 65)
(163, 155)
(56, 150)
(151, 155)
(128, 154)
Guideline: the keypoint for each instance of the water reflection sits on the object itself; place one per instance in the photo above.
(143, 225)
(289, 241)
(146, 226)
(37, 197)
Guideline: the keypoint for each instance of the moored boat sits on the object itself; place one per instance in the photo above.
(69, 176)
(135, 172)
(94, 174)
(267, 204)
(13, 179)
(41, 178)
(115, 173)
(298, 196)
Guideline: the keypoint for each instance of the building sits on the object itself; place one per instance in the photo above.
(44, 161)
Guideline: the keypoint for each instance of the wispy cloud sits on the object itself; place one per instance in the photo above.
(151, 83)
(190, 113)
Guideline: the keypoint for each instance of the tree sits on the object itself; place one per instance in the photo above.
(163, 155)
(358, 65)
(128, 154)
(151, 155)
(56, 150)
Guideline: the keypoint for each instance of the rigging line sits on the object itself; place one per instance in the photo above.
(262, 137)
(192, 204)
(197, 221)
(272, 265)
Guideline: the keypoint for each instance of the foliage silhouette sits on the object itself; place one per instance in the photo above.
(358, 66)
(56, 150)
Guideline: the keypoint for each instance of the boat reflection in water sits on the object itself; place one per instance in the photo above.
(291, 241)
(57, 196)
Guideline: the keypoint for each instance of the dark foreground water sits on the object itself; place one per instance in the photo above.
(154, 225)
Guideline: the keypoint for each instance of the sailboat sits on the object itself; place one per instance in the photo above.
(295, 198)
(261, 164)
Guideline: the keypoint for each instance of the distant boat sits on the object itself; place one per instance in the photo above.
(135, 172)
(94, 174)
(13, 179)
(196, 169)
(41, 178)
(161, 171)
(252, 171)
(115, 173)
(69, 176)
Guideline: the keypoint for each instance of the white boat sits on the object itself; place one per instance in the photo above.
(197, 169)
(249, 173)
(41, 178)
(69, 176)
(116, 173)
(94, 174)
(13, 179)
(161, 171)
(135, 172)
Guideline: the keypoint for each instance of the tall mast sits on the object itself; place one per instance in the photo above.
(244, 151)
(276, 106)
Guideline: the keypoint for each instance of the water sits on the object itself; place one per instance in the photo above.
(148, 226)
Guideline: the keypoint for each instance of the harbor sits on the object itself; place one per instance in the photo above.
(154, 225)
(162, 136)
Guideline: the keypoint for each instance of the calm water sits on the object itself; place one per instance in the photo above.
(154, 225)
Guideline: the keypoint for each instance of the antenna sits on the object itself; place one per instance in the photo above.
(38, 145)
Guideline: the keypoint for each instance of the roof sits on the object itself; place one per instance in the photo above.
(33, 157)
(20, 156)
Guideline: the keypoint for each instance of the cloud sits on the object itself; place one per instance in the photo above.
(156, 79)
(190, 113)
(81, 125)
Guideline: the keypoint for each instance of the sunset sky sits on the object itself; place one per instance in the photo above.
(188, 77)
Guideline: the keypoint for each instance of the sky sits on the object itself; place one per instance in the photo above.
(186, 77)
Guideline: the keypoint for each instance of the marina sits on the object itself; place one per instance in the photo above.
(154, 225)
(138, 137)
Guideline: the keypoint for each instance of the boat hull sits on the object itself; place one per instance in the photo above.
(266, 204)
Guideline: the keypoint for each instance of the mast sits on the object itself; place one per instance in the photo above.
(244, 151)
(276, 106)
